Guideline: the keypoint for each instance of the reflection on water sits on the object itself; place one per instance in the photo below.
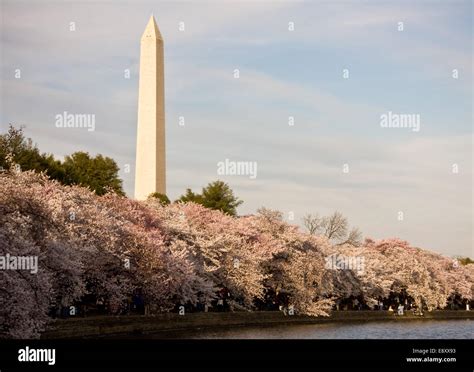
(415, 329)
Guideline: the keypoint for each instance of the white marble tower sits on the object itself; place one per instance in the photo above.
(150, 170)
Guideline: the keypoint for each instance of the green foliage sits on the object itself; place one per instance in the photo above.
(24, 153)
(216, 195)
(465, 261)
(164, 200)
(99, 173)
(190, 196)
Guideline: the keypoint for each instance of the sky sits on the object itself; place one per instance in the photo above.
(342, 66)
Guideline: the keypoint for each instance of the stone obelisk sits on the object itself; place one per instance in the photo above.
(150, 170)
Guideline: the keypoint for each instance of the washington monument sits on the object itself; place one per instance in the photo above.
(150, 170)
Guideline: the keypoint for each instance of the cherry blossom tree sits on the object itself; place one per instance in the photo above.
(110, 247)
(297, 266)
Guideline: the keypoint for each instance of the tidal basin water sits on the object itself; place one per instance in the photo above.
(414, 329)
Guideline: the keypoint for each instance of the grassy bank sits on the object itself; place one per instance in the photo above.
(139, 324)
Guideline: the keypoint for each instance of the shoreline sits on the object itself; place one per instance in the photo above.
(116, 326)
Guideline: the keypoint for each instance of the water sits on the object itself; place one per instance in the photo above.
(414, 329)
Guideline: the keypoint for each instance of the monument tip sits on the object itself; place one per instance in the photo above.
(152, 30)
